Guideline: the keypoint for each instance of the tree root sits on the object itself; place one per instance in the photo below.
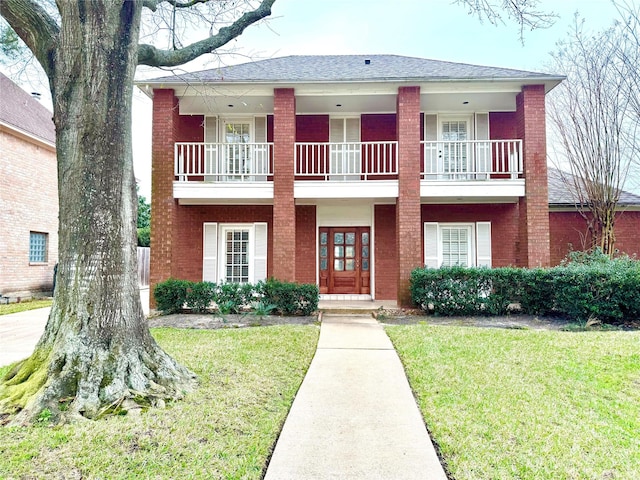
(91, 382)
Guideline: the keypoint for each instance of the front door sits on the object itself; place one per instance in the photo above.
(345, 260)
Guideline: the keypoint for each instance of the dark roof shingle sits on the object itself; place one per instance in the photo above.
(341, 68)
(20, 110)
(561, 186)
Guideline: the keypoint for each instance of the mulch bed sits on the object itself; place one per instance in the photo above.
(386, 317)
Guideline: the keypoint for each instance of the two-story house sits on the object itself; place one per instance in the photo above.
(28, 195)
(347, 171)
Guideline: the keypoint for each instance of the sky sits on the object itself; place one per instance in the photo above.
(435, 29)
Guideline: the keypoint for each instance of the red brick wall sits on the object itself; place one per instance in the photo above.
(188, 238)
(284, 214)
(29, 203)
(166, 121)
(568, 229)
(503, 126)
(408, 202)
(378, 127)
(312, 128)
(504, 226)
(306, 244)
(385, 253)
(534, 207)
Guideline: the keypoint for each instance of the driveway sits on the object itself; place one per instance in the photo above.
(20, 332)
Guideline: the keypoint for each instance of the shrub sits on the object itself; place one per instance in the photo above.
(144, 236)
(586, 288)
(200, 296)
(171, 295)
(283, 297)
(291, 298)
(231, 297)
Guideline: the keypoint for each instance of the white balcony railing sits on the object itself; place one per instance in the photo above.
(472, 160)
(223, 162)
(353, 161)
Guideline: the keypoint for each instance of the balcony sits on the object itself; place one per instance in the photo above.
(223, 162)
(241, 172)
(347, 162)
(449, 170)
(455, 169)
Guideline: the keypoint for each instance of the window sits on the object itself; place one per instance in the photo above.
(237, 255)
(37, 247)
(234, 252)
(464, 244)
(456, 246)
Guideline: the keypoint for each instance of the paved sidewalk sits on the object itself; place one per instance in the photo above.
(354, 416)
(20, 332)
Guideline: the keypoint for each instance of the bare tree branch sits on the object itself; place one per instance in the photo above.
(37, 29)
(152, 56)
(526, 13)
(592, 115)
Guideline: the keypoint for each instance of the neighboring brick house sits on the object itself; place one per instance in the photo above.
(347, 171)
(568, 228)
(28, 194)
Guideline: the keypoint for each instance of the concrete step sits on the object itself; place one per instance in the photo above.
(350, 307)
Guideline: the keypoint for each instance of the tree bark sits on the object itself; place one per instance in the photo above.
(97, 349)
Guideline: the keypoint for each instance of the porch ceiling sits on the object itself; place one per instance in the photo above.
(457, 102)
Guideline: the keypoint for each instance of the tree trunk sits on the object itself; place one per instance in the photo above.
(96, 350)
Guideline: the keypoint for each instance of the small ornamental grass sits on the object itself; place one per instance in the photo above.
(225, 429)
(505, 404)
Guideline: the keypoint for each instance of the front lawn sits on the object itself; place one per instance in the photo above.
(225, 429)
(522, 404)
(24, 306)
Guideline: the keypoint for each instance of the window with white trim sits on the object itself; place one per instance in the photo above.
(456, 245)
(236, 245)
(234, 252)
(38, 247)
(462, 244)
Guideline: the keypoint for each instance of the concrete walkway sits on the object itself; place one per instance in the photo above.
(354, 416)
(20, 332)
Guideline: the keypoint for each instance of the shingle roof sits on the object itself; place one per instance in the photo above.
(343, 68)
(561, 185)
(20, 110)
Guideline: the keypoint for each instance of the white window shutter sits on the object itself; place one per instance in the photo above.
(482, 126)
(431, 245)
(260, 130)
(210, 129)
(352, 130)
(210, 252)
(260, 252)
(430, 127)
(336, 130)
(483, 244)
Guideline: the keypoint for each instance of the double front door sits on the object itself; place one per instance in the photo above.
(345, 260)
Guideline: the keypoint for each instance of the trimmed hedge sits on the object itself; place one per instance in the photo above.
(605, 290)
(285, 298)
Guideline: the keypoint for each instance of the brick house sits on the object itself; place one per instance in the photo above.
(568, 229)
(28, 194)
(347, 171)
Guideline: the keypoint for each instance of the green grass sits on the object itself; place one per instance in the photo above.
(514, 404)
(225, 429)
(24, 306)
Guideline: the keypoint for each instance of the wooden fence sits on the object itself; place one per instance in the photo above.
(143, 266)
